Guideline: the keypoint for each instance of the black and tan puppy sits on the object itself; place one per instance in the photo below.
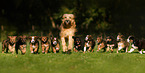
(89, 43)
(101, 44)
(55, 44)
(9, 44)
(122, 43)
(111, 43)
(44, 44)
(21, 44)
(78, 44)
(34, 44)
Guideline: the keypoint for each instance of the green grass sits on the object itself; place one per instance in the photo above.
(73, 63)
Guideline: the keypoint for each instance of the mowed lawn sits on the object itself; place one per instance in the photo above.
(73, 63)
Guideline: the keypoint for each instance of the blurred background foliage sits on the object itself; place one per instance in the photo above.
(40, 17)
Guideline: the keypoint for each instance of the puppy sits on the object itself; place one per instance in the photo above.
(122, 43)
(130, 40)
(111, 43)
(44, 44)
(21, 44)
(137, 44)
(101, 44)
(55, 44)
(9, 44)
(34, 44)
(78, 44)
(89, 43)
(68, 29)
(5, 45)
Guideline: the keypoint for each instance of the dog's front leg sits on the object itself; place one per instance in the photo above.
(42, 48)
(85, 47)
(12, 48)
(46, 50)
(63, 44)
(70, 43)
(31, 48)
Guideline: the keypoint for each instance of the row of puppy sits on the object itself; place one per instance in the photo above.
(109, 44)
(14, 43)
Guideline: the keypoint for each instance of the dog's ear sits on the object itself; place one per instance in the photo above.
(8, 37)
(73, 37)
(40, 37)
(19, 37)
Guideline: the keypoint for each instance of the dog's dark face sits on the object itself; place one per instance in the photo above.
(77, 40)
(44, 39)
(67, 20)
(23, 39)
(12, 39)
(33, 39)
(109, 39)
(54, 40)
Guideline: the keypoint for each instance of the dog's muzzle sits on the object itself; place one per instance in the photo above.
(55, 43)
(67, 22)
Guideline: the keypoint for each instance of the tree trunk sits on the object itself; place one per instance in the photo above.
(52, 21)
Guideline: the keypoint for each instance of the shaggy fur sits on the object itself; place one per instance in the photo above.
(67, 31)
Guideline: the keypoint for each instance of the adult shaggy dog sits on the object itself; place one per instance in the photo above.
(68, 29)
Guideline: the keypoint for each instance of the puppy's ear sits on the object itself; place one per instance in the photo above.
(73, 37)
(51, 38)
(40, 37)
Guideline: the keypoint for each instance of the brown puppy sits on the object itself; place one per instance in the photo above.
(122, 43)
(101, 44)
(55, 44)
(44, 44)
(21, 44)
(9, 44)
(67, 31)
(89, 43)
(34, 44)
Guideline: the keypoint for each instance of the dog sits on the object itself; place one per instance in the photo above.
(9, 44)
(136, 44)
(89, 43)
(67, 30)
(45, 44)
(111, 43)
(34, 44)
(122, 43)
(101, 44)
(21, 44)
(78, 44)
(5, 45)
(55, 44)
